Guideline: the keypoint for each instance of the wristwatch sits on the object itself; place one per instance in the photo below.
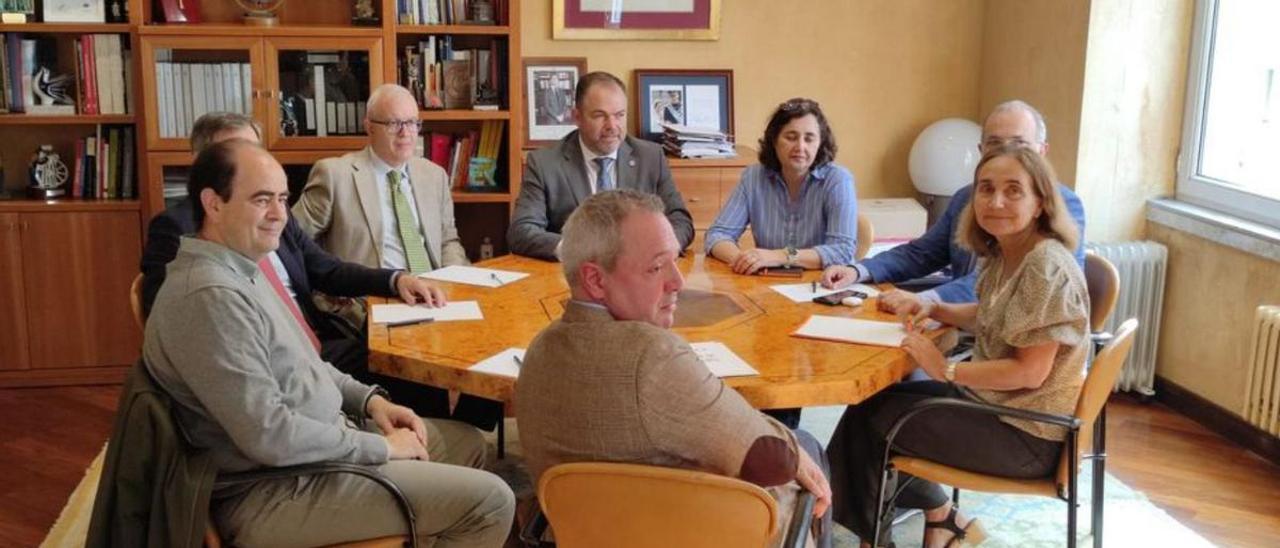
(950, 374)
(791, 256)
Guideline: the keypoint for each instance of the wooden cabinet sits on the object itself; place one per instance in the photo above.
(13, 317)
(706, 186)
(70, 266)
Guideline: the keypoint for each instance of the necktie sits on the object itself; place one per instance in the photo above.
(604, 181)
(274, 279)
(415, 252)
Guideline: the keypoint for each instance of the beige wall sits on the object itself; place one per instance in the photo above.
(1210, 296)
(882, 70)
(1131, 117)
(1034, 50)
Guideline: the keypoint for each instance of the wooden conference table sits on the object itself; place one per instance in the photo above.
(715, 305)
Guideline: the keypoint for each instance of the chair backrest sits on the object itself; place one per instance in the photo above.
(1098, 385)
(631, 505)
(866, 236)
(135, 301)
(1104, 286)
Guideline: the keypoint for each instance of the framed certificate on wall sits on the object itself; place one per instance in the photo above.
(635, 20)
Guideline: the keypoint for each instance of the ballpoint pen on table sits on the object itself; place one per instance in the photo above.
(495, 277)
(410, 322)
(519, 362)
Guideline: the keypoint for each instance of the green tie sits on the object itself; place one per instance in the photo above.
(415, 252)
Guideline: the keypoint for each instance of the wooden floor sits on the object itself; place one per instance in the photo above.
(1228, 495)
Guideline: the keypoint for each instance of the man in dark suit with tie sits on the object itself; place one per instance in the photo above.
(597, 156)
(300, 266)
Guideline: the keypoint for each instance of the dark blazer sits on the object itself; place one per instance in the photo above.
(154, 490)
(310, 268)
(556, 181)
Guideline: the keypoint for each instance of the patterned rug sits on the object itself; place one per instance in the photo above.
(1011, 521)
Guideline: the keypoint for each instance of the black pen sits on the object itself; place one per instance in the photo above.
(410, 322)
(496, 279)
(519, 362)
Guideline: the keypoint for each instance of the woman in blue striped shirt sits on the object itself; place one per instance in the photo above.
(802, 208)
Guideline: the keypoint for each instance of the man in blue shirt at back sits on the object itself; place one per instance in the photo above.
(1010, 122)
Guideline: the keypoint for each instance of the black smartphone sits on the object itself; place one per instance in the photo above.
(835, 298)
(782, 271)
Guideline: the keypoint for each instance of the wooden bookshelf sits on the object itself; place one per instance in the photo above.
(446, 115)
(68, 262)
(79, 119)
(460, 30)
(67, 28)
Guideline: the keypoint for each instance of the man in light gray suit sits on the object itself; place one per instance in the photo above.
(597, 156)
(381, 206)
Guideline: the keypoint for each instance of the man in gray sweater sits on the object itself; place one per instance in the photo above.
(252, 390)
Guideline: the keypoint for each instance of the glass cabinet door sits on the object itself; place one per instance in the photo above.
(317, 91)
(186, 77)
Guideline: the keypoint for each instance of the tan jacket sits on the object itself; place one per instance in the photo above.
(339, 207)
(596, 389)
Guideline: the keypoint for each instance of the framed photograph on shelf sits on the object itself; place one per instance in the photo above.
(548, 97)
(693, 98)
(635, 20)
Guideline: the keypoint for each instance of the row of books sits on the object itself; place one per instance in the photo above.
(28, 80)
(185, 91)
(691, 142)
(443, 77)
(330, 109)
(104, 165)
(449, 12)
(469, 158)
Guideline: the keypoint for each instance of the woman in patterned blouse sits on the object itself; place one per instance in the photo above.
(1030, 325)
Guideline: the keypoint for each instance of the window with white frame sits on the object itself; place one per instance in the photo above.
(1230, 157)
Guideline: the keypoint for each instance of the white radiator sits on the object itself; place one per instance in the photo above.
(1142, 268)
(1262, 385)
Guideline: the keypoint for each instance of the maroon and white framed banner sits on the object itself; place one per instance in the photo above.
(635, 19)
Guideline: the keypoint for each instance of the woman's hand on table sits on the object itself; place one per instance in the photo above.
(752, 260)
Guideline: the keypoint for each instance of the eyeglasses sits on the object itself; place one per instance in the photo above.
(393, 127)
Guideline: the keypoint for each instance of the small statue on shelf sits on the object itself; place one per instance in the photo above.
(50, 94)
(481, 12)
(363, 14)
(289, 117)
(47, 174)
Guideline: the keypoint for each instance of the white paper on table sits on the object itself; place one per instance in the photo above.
(722, 361)
(473, 275)
(832, 328)
(503, 363)
(454, 311)
(803, 292)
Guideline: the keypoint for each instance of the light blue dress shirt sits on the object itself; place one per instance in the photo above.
(824, 215)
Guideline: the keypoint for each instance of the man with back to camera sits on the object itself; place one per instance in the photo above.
(597, 156)
(249, 387)
(609, 380)
(1010, 122)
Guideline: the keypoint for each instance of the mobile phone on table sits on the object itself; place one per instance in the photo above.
(782, 271)
(835, 298)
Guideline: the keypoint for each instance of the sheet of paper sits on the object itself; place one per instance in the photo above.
(454, 311)
(503, 363)
(722, 361)
(832, 328)
(803, 292)
(473, 275)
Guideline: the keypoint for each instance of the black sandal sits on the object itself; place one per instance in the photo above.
(971, 534)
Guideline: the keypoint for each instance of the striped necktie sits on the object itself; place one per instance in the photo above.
(604, 181)
(415, 252)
